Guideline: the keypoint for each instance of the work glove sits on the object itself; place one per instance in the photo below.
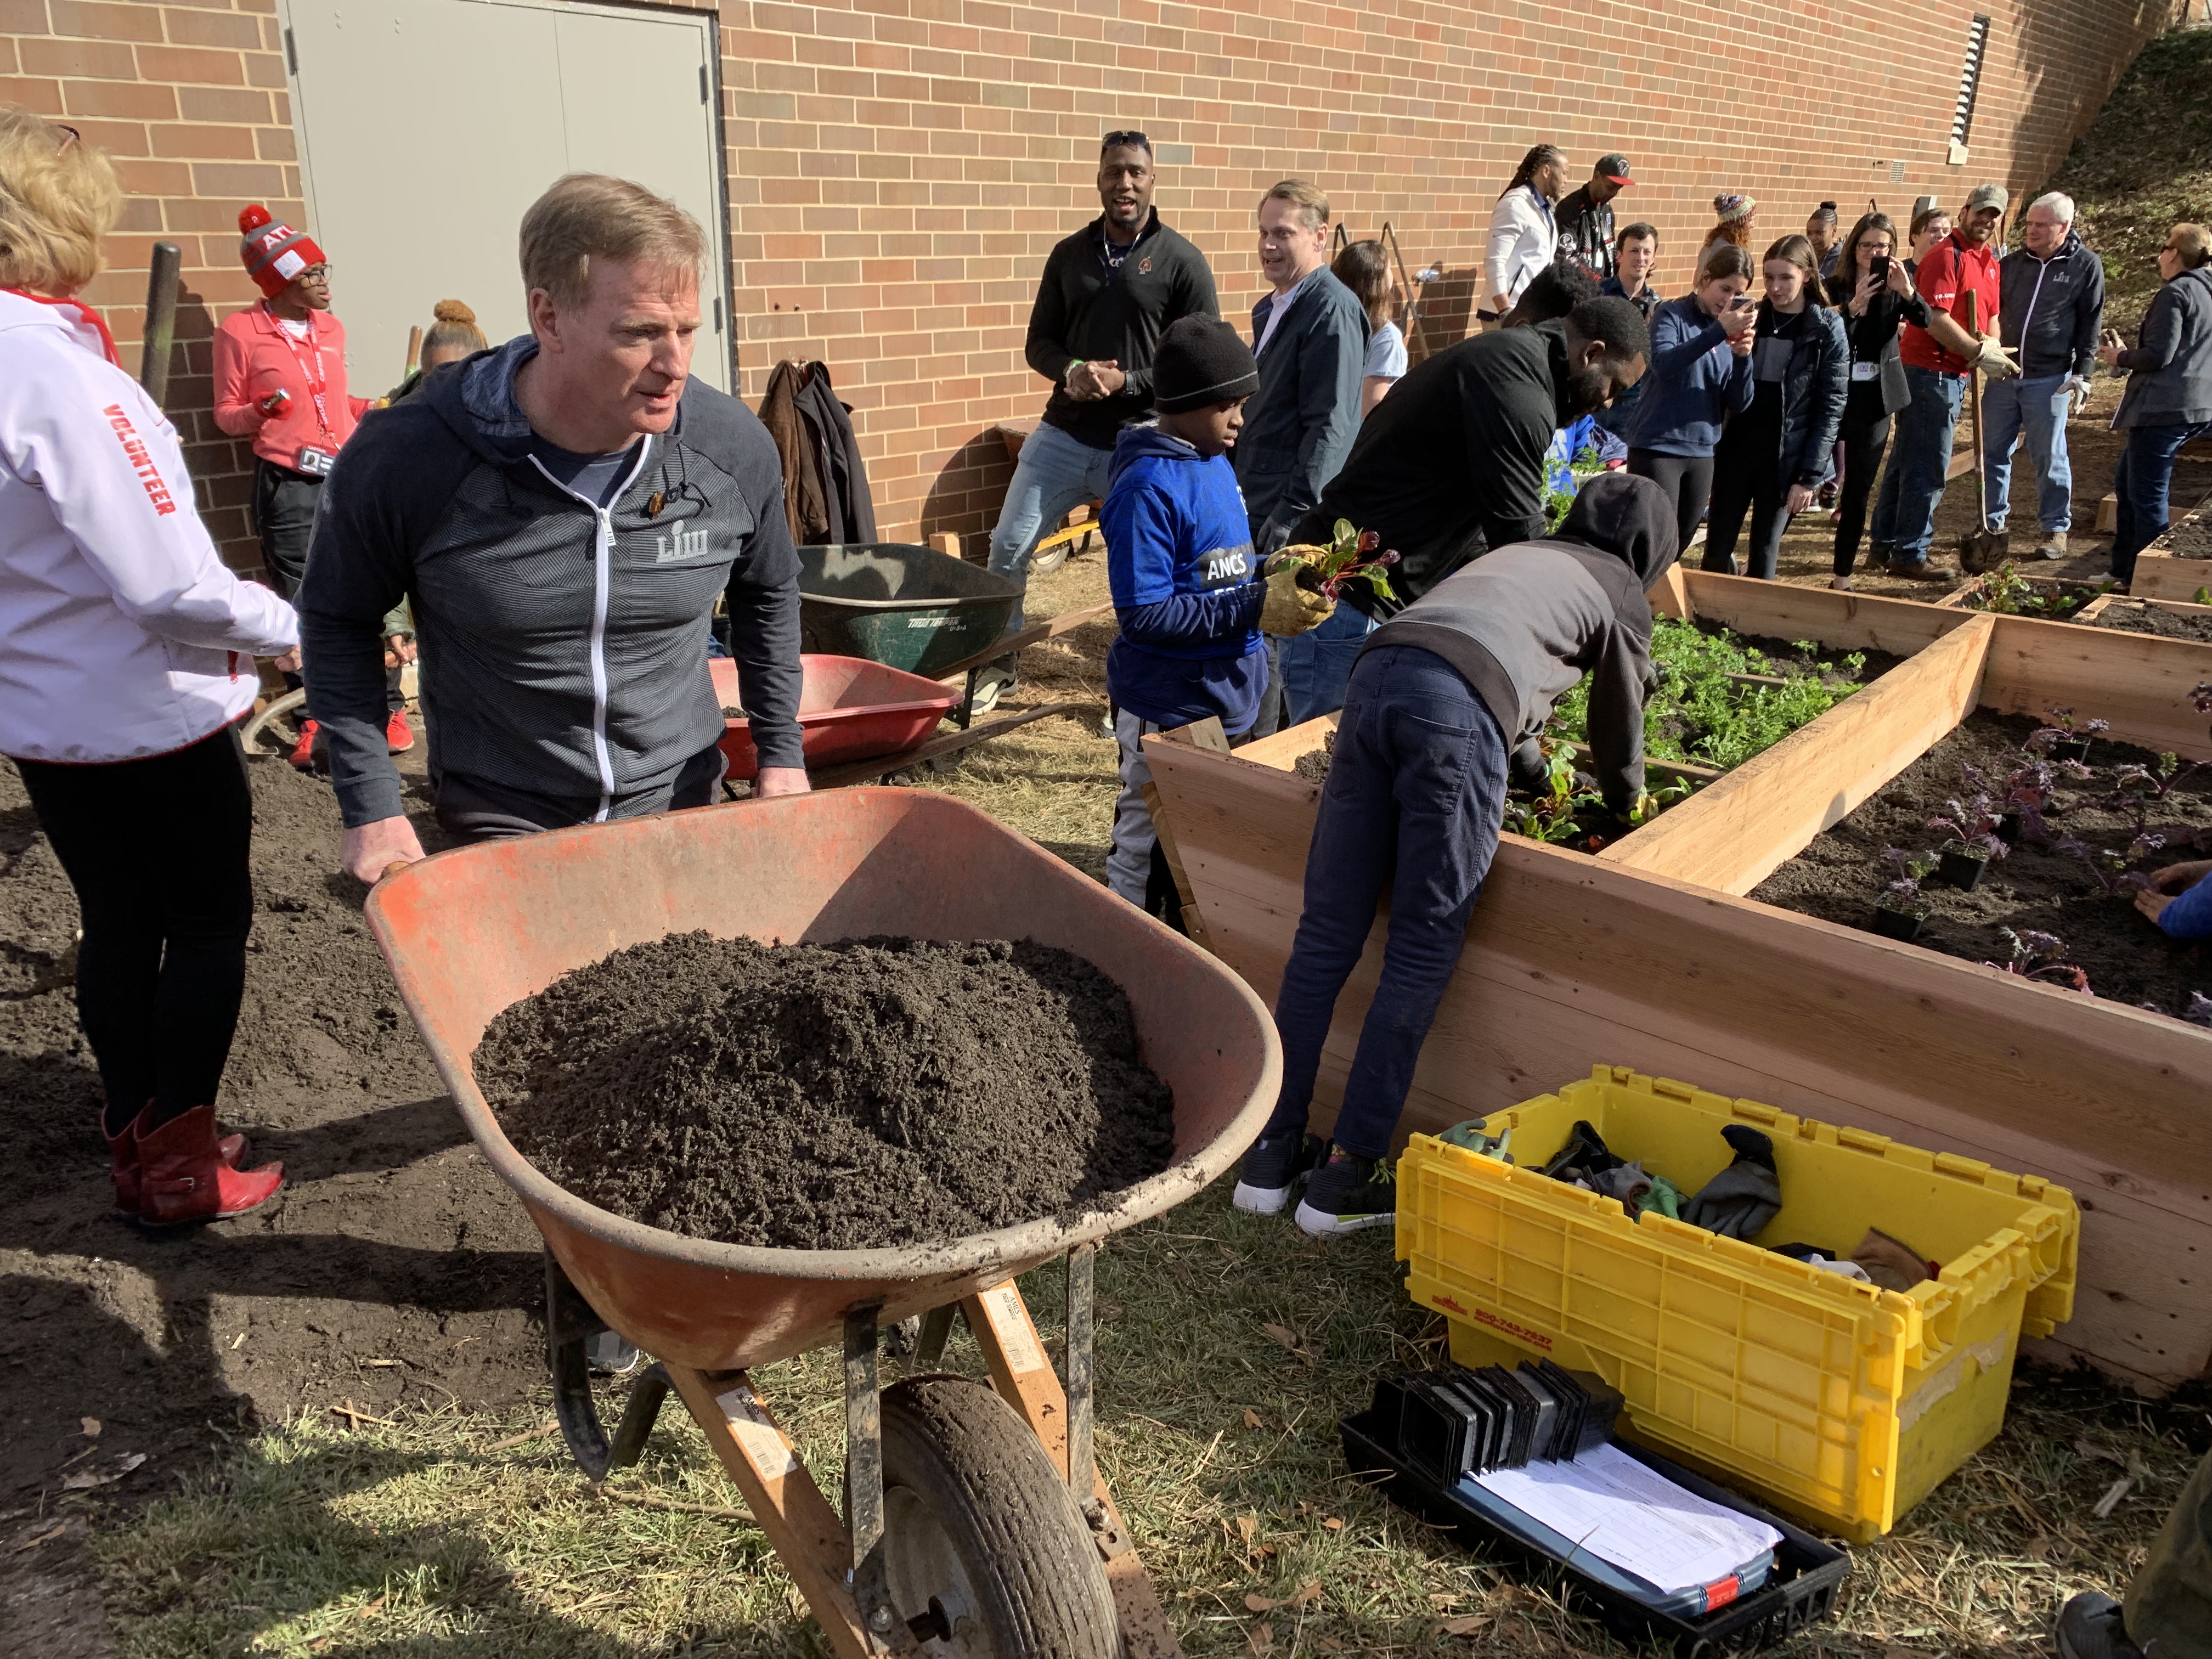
(1289, 610)
(1993, 362)
(2077, 393)
(1739, 1201)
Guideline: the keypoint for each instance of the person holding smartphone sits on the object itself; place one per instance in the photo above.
(1875, 295)
(1775, 455)
(280, 378)
(1700, 372)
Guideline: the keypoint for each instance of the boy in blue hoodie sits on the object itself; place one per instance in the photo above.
(1187, 589)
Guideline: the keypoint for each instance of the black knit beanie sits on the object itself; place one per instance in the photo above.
(1202, 360)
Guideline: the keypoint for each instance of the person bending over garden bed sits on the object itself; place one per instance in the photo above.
(2180, 900)
(1441, 695)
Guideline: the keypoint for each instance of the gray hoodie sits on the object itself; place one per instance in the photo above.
(1525, 622)
(564, 645)
(2170, 369)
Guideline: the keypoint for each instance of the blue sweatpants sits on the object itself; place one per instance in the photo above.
(1415, 798)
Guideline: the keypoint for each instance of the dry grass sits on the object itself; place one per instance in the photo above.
(420, 1538)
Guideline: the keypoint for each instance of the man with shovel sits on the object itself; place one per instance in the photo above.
(563, 512)
(1959, 280)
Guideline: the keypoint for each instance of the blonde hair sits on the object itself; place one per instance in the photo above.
(589, 214)
(2193, 243)
(1313, 205)
(58, 197)
(455, 324)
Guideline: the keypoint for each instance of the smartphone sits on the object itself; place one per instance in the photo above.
(1743, 302)
(1878, 268)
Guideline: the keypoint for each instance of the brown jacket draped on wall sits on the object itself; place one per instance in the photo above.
(825, 484)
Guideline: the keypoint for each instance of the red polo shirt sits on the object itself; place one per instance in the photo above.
(254, 356)
(1952, 270)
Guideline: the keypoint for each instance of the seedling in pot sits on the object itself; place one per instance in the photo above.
(2063, 739)
(1973, 824)
(2041, 956)
(1900, 909)
(2109, 870)
(2137, 788)
(1346, 559)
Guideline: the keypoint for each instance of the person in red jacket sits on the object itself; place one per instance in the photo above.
(280, 378)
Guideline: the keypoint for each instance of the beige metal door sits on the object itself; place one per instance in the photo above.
(426, 127)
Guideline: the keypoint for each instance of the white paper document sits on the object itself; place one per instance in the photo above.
(1610, 1506)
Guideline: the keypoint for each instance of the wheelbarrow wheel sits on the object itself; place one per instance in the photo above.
(984, 1551)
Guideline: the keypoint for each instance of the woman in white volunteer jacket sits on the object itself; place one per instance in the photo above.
(1523, 233)
(126, 660)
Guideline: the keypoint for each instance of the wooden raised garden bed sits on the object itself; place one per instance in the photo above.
(2178, 564)
(2170, 619)
(1646, 956)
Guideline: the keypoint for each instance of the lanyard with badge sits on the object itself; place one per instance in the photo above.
(313, 462)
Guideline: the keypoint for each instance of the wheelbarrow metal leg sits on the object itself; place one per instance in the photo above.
(863, 1468)
(1024, 1376)
(801, 1526)
(570, 1325)
(936, 1332)
(1082, 1469)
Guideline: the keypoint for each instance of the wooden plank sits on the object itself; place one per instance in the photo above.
(1025, 1380)
(805, 1532)
(946, 543)
(1282, 750)
(1854, 621)
(1670, 597)
(946, 743)
(1184, 899)
(2161, 576)
(1200, 734)
(1734, 833)
(2139, 683)
(1570, 961)
(1009, 645)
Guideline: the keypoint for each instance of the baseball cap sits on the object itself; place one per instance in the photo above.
(1614, 168)
(1984, 196)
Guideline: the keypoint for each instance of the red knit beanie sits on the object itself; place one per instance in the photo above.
(273, 253)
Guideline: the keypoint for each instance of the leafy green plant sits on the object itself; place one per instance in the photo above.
(1548, 815)
(1346, 560)
(1704, 713)
(2041, 956)
(2009, 593)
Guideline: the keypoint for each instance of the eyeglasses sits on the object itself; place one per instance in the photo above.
(75, 137)
(1116, 140)
(321, 273)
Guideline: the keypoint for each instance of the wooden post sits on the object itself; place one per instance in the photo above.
(946, 543)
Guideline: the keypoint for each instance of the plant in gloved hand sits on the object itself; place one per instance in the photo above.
(2041, 956)
(1346, 559)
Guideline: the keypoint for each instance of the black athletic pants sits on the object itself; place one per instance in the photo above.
(1688, 480)
(1862, 450)
(156, 849)
(1746, 478)
(284, 514)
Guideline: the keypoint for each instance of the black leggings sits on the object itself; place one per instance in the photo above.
(1746, 478)
(1688, 480)
(1862, 450)
(156, 849)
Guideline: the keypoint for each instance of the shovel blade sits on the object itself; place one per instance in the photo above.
(1982, 551)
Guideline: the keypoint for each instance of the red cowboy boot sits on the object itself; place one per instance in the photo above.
(123, 1160)
(182, 1177)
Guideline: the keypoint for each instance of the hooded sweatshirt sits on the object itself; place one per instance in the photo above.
(1186, 587)
(2170, 367)
(564, 643)
(1525, 623)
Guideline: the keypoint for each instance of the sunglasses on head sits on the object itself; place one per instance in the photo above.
(75, 136)
(1116, 140)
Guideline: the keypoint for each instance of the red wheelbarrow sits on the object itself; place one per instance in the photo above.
(849, 709)
(975, 1519)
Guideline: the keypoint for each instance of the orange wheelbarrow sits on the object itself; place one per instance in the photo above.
(974, 1521)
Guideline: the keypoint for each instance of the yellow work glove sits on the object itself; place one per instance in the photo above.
(1289, 610)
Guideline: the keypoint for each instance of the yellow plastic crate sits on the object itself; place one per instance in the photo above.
(1839, 1402)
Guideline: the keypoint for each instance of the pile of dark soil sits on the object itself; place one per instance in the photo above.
(2189, 538)
(2127, 958)
(2151, 619)
(841, 1097)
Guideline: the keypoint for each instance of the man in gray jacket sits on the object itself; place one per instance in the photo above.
(2053, 300)
(563, 511)
(1442, 695)
(1309, 335)
(2168, 401)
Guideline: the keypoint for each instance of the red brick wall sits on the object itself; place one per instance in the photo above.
(898, 168)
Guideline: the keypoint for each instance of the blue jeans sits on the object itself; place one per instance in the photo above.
(1415, 796)
(1905, 516)
(1055, 475)
(1317, 665)
(2141, 481)
(2039, 407)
